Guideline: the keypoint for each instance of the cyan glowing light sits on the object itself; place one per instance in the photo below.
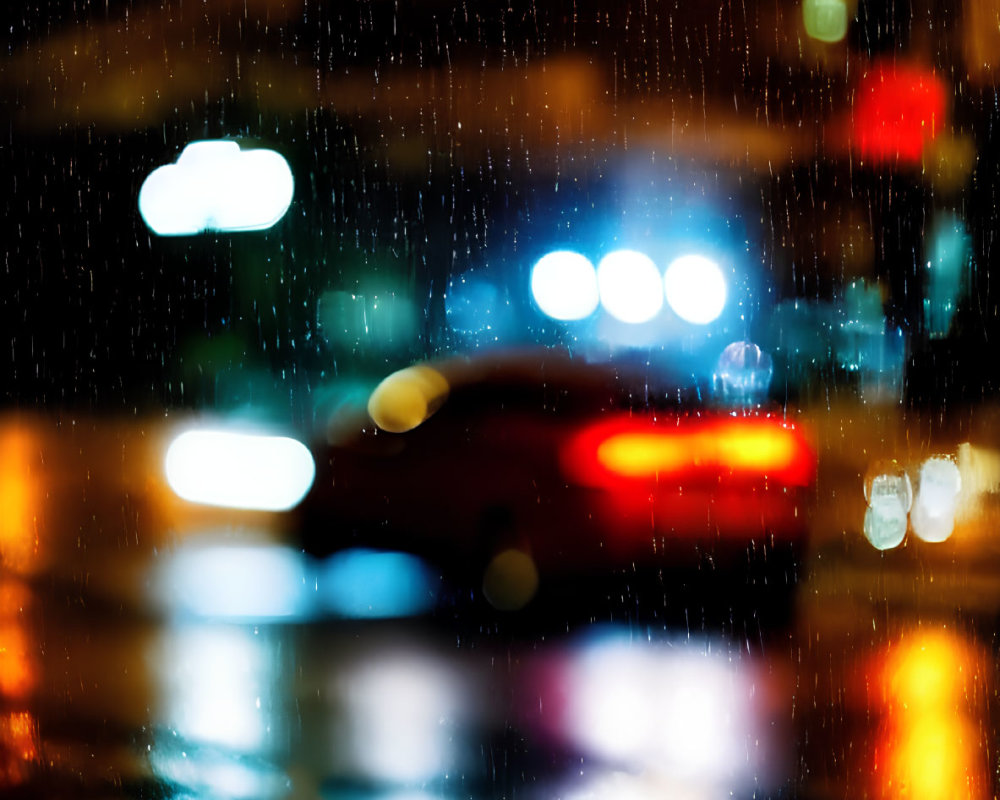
(367, 584)
(695, 289)
(239, 470)
(825, 20)
(948, 255)
(236, 582)
(478, 308)
(216, 186)
(208, 772)
(629, 286)
(386, 320)
(564, 285)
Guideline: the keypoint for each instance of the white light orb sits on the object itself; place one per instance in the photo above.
(629, 286)
(239, 470)
(934, 508)
(695, 289)
(885, 524)
(564, 285)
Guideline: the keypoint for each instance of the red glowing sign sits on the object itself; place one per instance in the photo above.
(898, 110)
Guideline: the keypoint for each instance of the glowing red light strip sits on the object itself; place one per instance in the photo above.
(696, 449)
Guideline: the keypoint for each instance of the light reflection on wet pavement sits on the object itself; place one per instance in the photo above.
(154, 648)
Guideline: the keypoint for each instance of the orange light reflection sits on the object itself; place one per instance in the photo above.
(18, 746)
(18, 500)
(17, 676)
(931, 742)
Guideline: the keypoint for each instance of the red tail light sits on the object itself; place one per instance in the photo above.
(690, 451)
(717, 476)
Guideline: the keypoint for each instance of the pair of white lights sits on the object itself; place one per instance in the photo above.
(891, 500)
(629, 286)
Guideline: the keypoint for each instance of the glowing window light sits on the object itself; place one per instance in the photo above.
(695, 288)
(239, 470)
(406, 398)
(236, 582)
(629, 286)
(367, 584)
(564, 285)
(217, 186)
(934, 508)
(825, 20)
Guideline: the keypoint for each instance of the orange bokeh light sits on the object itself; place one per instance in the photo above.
(18, 746)
(17, 672)
(931, 745)
(18, 501)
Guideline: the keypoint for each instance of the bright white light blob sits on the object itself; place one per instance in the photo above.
(934, 508)
(218, 685)
(400, 714)
(239, 470)
(564, 285)
(216, 186)
(889, 494)
(629, 286)
(695, 288)
(677, 711)
(885, 524)
(236, 583)
(889, 481)
(367, 584)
